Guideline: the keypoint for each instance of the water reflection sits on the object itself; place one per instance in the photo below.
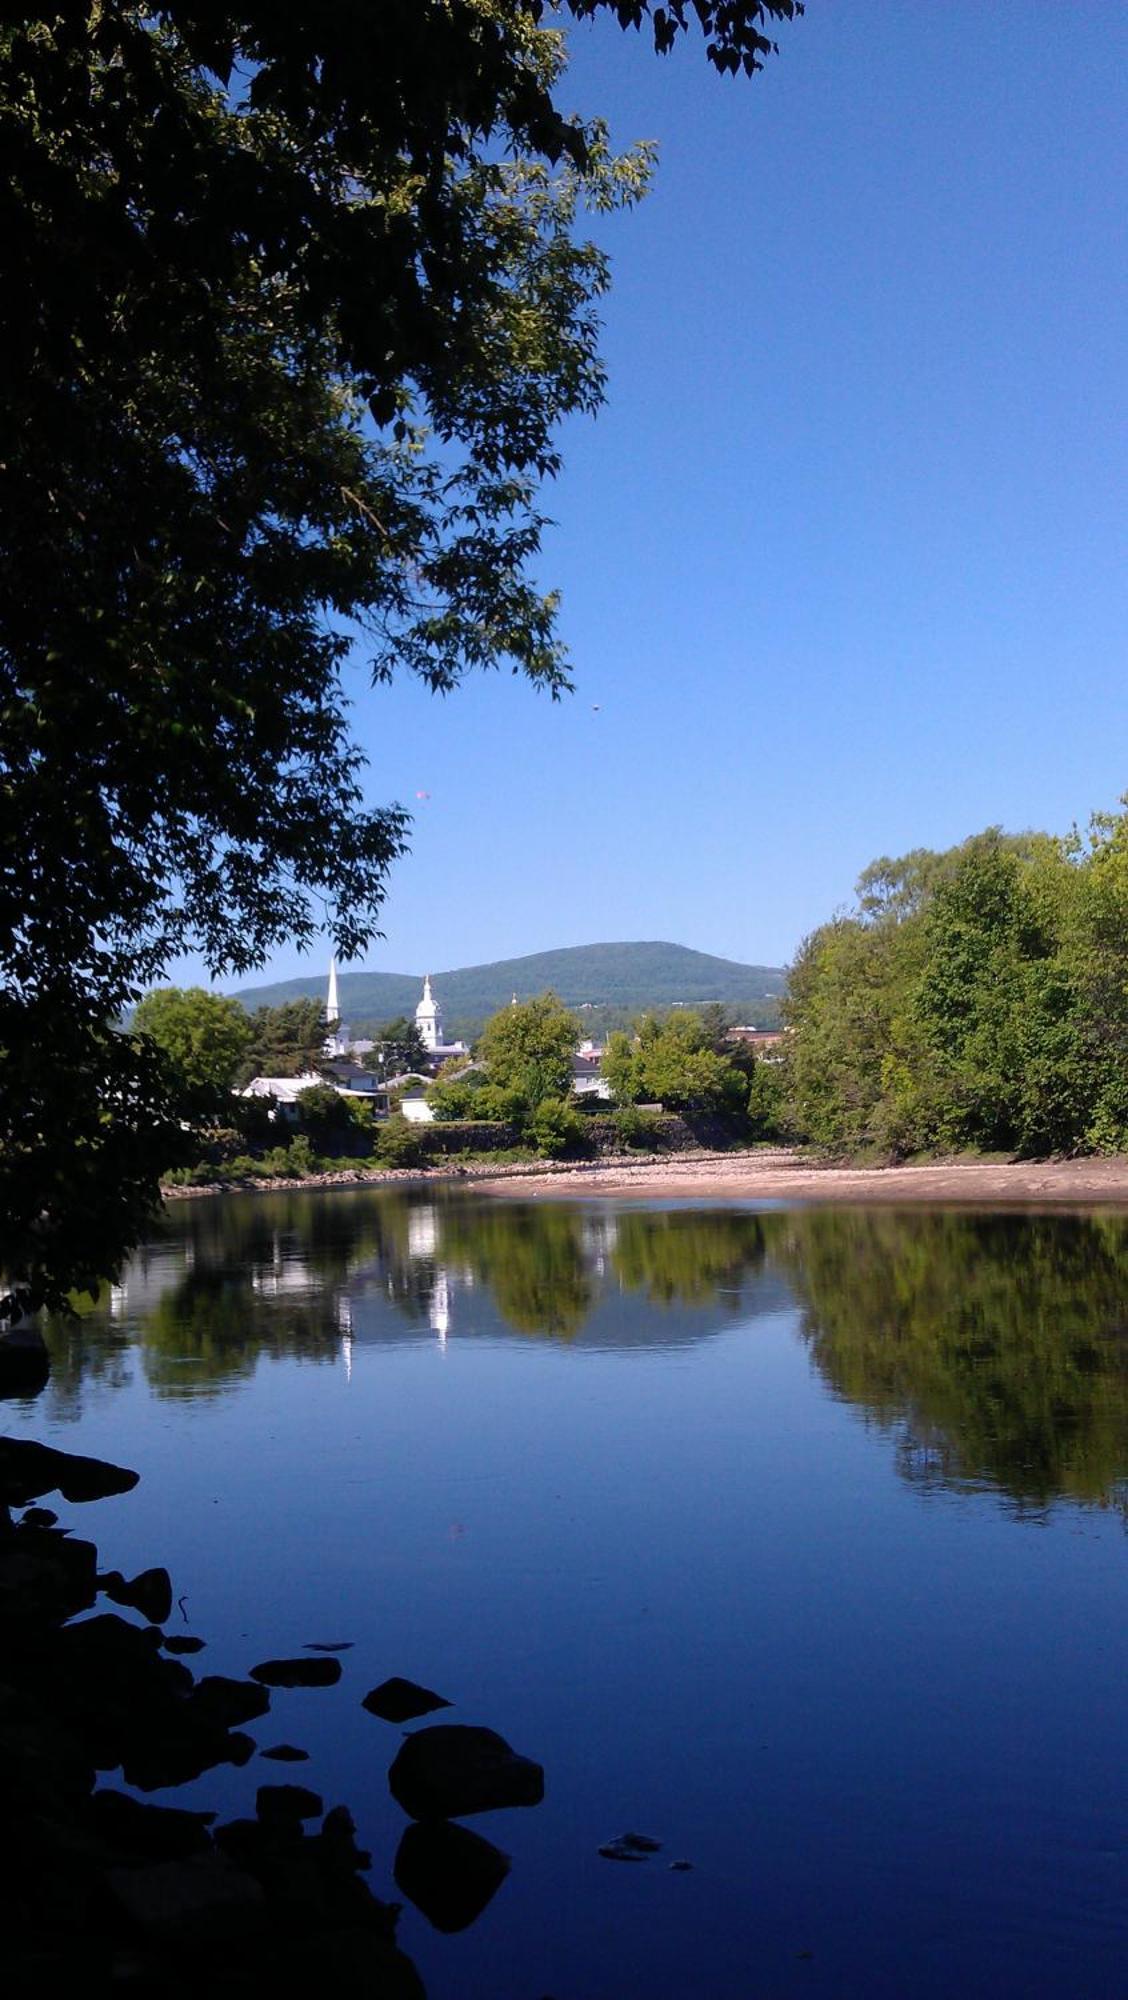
(993, 1348)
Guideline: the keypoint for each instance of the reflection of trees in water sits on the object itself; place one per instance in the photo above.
(995, 1347)
(686, 1256)
(534, 1260)
(213, 1327)
(999, 1341)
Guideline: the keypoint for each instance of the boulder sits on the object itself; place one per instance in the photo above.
(397, 1700)
(181, 1642)
(225, 1703)
(25, 1364)
(286, 1753)
(450, 1769)
(297, 1673)
(449, 1873)
(29, 1469)
(150, 1593)
(203, 1898)
(287, 1802)
(154, 1833)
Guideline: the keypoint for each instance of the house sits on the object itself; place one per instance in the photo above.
(587, 1078)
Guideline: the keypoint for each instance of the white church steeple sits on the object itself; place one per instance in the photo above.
(332, 1004)
(429, 1018)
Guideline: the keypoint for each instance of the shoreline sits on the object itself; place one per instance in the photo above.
(769, 1174)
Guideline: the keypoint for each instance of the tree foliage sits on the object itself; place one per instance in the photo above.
(285, 1041)
(975, 998)
(527, 1048)
(674, 1062)
(205, 1037)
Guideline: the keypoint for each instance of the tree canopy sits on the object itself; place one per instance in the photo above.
(975, 998)
(674, 1062)
(293, 303)
(205, 1037)
(527, 1049)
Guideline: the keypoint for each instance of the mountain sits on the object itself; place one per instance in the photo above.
(608, 979)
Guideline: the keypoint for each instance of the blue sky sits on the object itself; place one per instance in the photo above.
(842, 560)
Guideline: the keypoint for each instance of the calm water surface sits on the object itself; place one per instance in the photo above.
(795, 1539)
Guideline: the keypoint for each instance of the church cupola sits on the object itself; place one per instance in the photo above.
(429, 1018)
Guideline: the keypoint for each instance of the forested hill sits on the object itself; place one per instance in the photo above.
(610, 979)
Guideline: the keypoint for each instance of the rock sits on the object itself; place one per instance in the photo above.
(287, 1802)
(25, 1364)
(161, 1833)
(39, 1517)
(45, 1576)
(297, 1673)
(226, 1703)
(285, 1753)
(150, 1593)
(181, 1642)
(329, 1646)
(630, 1847)
(204, 1898)
(157, 1761)
(680, 1867)
(28, 1469)
(398, 1700)
(450, 1769)
(449, 1873)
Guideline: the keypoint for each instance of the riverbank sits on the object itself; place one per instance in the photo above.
(767, 1174)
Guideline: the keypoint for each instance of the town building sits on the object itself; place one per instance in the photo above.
(429, 1021)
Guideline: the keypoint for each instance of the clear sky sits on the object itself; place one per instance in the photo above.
(842, 560)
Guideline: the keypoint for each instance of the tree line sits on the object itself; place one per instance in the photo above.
(975, 998)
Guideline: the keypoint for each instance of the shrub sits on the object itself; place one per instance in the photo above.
(636, 1129)
(398, 1143)
(558, 1131)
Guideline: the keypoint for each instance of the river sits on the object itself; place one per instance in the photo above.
(791, 1538)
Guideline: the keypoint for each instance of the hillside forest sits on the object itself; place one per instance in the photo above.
(972, 999)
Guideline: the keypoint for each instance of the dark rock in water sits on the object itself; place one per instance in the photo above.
(28, 1469)
(329, 1646)
(449, 1873)
(181, 1642)
(39, 1517)
(25, 1364)
(285, 1753)
(155, 1833)
(45, 1576)
(288, 1802)
(450, 1769)
(203, 1898)
(175, 1758)
(680, 1867)
(397, 1700)
(297, 1673)
(226, 1703)
(630, 1847)
(150, 1593)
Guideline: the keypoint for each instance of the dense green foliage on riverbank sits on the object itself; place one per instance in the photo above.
(976, 998)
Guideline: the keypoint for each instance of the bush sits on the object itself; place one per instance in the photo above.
(636, 1129)
(398, 1143)
(558, 1131)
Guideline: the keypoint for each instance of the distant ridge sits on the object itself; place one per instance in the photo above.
(620, 978)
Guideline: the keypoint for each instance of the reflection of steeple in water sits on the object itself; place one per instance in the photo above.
(439, 1310)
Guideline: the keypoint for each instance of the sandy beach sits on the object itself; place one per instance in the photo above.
(779, 1175)
(774, 1174)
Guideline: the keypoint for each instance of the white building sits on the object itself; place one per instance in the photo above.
(429, 1021)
